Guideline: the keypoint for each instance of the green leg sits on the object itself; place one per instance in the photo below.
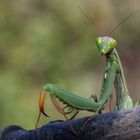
(123, 100)
(137, 102)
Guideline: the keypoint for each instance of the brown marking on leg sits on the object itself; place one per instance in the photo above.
(41, 106)
(61, 110)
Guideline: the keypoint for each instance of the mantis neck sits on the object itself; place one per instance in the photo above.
(121, 71)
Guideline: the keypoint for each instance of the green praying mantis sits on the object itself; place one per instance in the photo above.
(113, 76)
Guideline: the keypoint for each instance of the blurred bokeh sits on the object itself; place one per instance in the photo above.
(43, 41)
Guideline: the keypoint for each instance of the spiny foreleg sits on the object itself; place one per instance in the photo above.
(41, 107)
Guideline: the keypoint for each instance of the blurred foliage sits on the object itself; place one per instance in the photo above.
(44, 41)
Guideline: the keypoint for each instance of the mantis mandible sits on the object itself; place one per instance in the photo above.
(113, 75)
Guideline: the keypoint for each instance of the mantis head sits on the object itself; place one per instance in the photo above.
(105, 44)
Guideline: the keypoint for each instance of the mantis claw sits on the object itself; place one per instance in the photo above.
(41, 103)
(41, 107)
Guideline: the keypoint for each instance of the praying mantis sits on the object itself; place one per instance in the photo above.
(113, 76)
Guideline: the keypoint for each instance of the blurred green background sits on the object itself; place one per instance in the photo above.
(43, 41)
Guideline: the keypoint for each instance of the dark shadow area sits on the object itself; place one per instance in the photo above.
(116, 125)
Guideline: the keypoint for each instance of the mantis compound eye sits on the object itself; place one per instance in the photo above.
(99, 41)
(112, 43)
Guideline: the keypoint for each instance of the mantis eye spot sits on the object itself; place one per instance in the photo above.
(112, 43)
(99, 41)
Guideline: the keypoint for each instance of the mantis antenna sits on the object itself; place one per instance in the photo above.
(85, 14)
(125, 19)
(97, 29)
